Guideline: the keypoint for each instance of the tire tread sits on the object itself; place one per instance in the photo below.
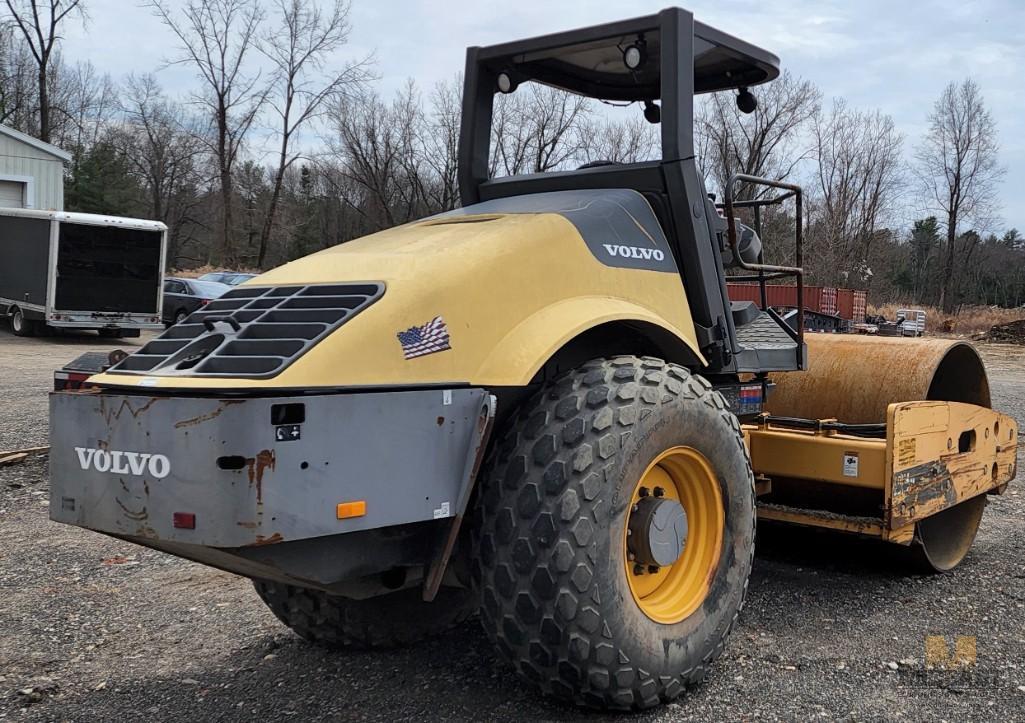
(569, 432)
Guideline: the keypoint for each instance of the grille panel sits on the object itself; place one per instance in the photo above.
(251, 331)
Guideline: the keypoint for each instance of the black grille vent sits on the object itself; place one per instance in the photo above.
(251, 331)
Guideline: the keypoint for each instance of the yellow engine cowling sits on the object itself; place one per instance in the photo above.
(512, 289)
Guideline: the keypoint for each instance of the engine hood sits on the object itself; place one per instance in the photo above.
(498, 290)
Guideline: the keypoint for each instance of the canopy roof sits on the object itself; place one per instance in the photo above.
(590, 61)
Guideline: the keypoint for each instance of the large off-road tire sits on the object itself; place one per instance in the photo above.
(552, 557)
(387, 621)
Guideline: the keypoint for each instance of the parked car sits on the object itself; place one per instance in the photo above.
(183, 296)
(231, 278)
(218, 276)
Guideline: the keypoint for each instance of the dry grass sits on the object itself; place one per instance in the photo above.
(200, 270)
(971, 319)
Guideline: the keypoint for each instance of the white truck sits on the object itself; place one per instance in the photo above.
(80, 271)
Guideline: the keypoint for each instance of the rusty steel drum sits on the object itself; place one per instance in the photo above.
(854, 378)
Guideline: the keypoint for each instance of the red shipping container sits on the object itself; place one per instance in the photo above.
(816, 298)
(851, 304)
(845, 303)
(828, 300)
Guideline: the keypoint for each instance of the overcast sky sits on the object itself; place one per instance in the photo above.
(892, 55)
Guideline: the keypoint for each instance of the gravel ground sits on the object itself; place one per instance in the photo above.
(98, 629)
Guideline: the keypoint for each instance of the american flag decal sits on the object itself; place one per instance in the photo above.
(427, 339)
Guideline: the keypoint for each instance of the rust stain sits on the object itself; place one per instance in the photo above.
(110, 414)
(272, 540)
(132, 514)
(80, 391)
(225, 403)
(854, 378)
(256, 466)
(906, 451)
(249, 525)
(822, 518)
(146, 531)
(441, 421)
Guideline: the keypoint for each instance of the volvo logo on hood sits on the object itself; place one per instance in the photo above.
(634, 252)
(118, 462)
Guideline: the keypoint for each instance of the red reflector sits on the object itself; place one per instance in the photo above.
(185, 520)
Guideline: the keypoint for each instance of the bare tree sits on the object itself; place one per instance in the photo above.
(439, 146)
(298, 50)
(82, 104)
(627, 141)
(160, 141)
(959, 169)
(372, 143)
(38, 21)
(859, 175)
(216, 37)
(765, 143)
(17, 97)
(533, 130)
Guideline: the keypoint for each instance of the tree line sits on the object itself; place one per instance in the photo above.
(280, 150)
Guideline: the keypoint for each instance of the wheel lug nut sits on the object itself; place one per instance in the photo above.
(643, 492)
(638, 569)
(659, 491)
(653, 569)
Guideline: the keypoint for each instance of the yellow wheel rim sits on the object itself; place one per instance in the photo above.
(673, 592)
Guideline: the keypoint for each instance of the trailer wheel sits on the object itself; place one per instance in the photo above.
(387, 621)
(614, 533)
(20, 325)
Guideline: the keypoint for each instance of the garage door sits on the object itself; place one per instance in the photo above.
(12, 194)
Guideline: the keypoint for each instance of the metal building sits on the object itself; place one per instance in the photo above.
(31, 172)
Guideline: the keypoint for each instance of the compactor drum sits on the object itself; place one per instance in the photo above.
(858, 378)
(541, 405)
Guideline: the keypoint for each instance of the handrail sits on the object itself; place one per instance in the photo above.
(774, 271)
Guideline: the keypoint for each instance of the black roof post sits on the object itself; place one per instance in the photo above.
(475, 127)
(677, 81)
(700, 260)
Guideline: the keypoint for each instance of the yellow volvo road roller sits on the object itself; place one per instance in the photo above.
(542, 406)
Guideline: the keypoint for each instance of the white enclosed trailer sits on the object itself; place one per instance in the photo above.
(80, 271)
